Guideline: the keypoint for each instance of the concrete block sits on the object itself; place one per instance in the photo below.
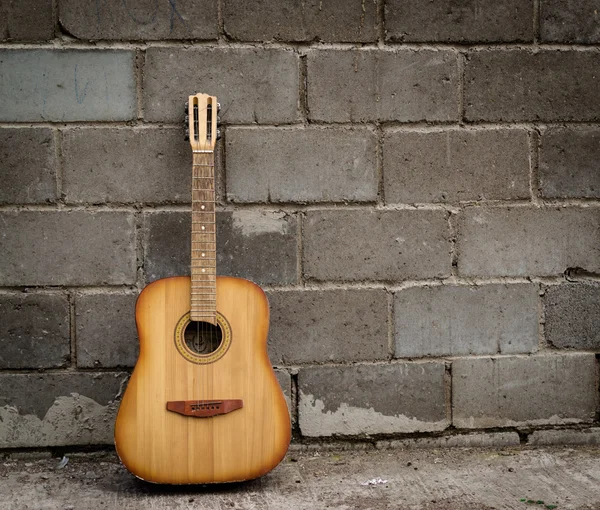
(28, 166)
(67, 85)
(29, 20)
(301, 165)
(563, 21)
(67, 248)
(569, 163)
(371, 399)
(39, 410)
(263, 20)
(525, 241)
(572, 314)
(105, 19)
(376, 245)
(253, 85)
(523, 86)
(259, 246)
(34, 330)
(448, 21)
(456, 165)
(582, 437)
(345, 319)
(375, 85)
(105, 330)
(127, 165)
(461, 321)
(474, 440)
(285, 381)
(534, 390)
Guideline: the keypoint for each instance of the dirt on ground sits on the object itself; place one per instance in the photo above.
(442, 479)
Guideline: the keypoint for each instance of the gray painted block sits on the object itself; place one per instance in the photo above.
(289, 20)
(328, 325)
(371, 85)
(572, 313)
(105, 19)
(28, 166)
(561, 438)
(372, 399)
(542, 86)
(565, 21)
(38, 410)
(29, 20)
(349, 245)
(301, 165)
(253, 85)
(260, 246)
(569, 163)
(67, 248)
(105, 330)
(127, 165)
(446, 21)
(525, 241)
(536, 390)
(34, 330)
(461, 321)
(456, 165)
(66, 85)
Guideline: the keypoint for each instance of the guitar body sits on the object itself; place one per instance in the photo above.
(163, 446)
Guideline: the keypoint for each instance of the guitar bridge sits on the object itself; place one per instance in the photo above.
(204, 408)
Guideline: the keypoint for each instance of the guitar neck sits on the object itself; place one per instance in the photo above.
(204, 263)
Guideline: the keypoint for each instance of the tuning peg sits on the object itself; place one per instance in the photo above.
(218, 134)
(218, 107)
(187, 134)
(187, 118)
(218, 120)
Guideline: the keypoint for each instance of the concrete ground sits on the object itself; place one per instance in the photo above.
(429, 479)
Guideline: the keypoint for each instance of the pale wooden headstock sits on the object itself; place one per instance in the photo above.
(202, 122)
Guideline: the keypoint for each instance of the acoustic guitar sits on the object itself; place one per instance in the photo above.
(203, 404)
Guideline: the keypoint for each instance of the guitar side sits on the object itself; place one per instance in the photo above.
(162, 446)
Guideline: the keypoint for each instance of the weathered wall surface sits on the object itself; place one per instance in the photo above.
(415, 184)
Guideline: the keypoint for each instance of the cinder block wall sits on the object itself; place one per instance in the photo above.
(415, 184)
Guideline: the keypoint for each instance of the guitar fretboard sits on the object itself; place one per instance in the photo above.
(204, 263)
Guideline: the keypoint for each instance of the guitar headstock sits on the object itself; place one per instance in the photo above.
(202, 121)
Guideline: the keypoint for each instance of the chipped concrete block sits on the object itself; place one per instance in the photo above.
(67, 248)
(544, 85)
(527, 241)
(28, 166)
(94, 19)
(105, 330)
(572, 315)
(301, 21)
(456, 165)
(515, 391)
(42, 85)
(350, 245)
(34, 330)
(126, 165)
(376, 85)
(254, 85)
(258, 245)
(372, 399)
(301, 165)
(352, 325)
(452, 320)
(38, 410)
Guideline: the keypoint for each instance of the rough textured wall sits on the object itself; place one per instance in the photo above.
(415, 184)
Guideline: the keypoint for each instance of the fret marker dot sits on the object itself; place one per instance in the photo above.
(204, 270)
(202, 207)
(203, 227)
(204, 254)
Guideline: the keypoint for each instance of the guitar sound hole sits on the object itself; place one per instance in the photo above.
(202, 337)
